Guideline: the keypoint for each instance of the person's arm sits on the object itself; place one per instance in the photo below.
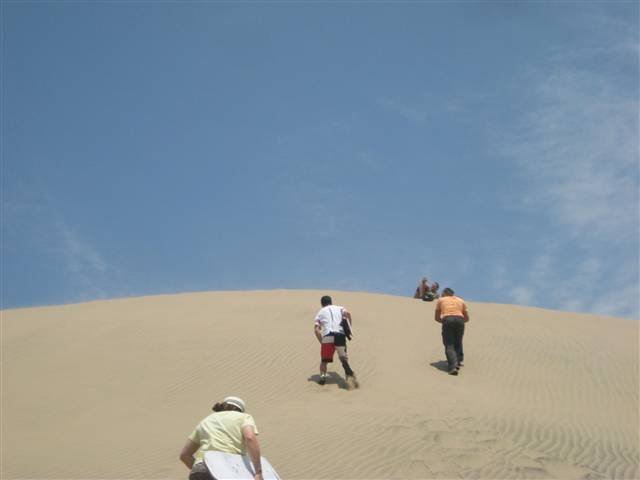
(186, 456)
(346, 324)
(318, 331)
(437, 314)
(465, 312)
(253, 449)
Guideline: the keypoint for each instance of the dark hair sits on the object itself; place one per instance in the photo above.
(225, 407)
(326, 300)
(448, 291)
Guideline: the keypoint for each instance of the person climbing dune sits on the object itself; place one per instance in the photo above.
(229, 429)
(451, 311)
(332, 326)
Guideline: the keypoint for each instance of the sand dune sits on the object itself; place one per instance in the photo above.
(111, 389)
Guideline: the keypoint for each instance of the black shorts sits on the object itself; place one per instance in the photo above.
(330, 343)
(200, 472)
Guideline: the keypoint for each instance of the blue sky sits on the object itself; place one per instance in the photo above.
(165, 147)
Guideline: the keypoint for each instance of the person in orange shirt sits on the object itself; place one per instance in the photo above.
(452, 313)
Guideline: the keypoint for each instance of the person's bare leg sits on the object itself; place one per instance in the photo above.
(350, 376)
(323, 372)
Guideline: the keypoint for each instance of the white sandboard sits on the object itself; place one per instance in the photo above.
(229, 466)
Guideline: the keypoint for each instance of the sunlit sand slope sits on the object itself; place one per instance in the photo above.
(112, 389)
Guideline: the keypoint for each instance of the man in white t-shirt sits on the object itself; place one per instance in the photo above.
(332, 327)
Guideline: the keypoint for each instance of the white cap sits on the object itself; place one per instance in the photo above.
(236, 402)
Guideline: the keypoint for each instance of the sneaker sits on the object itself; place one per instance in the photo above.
(453, 371)
(323, 379)
(352, 382)
(460, 364)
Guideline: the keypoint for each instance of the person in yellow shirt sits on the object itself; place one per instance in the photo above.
(452, 313)
(229, 429)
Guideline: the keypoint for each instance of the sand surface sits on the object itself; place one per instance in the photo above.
(111, 389)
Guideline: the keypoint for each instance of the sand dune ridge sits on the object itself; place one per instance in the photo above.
(111, 389)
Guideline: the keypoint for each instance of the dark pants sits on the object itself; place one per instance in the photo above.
(452, 332)
(200, 472)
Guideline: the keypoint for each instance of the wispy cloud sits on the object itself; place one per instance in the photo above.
(80, 256)
(416, 112)
(421, 109)
(522, 295)
(576, 149)
(86, 267)
(36, 229)
(591, 284)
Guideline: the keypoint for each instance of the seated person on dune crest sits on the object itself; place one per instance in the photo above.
(422, 289)
(426, 292)
(433, 293)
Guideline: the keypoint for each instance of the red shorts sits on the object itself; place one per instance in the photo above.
(329, 345)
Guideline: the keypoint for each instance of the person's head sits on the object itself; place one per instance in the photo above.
(233, 404)
(447, 292)
(326, 300)
(424, 280)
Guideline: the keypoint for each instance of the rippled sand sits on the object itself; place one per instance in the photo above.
(112, 389)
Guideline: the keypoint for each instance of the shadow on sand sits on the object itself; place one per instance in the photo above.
(332, 379)
(441, 365)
